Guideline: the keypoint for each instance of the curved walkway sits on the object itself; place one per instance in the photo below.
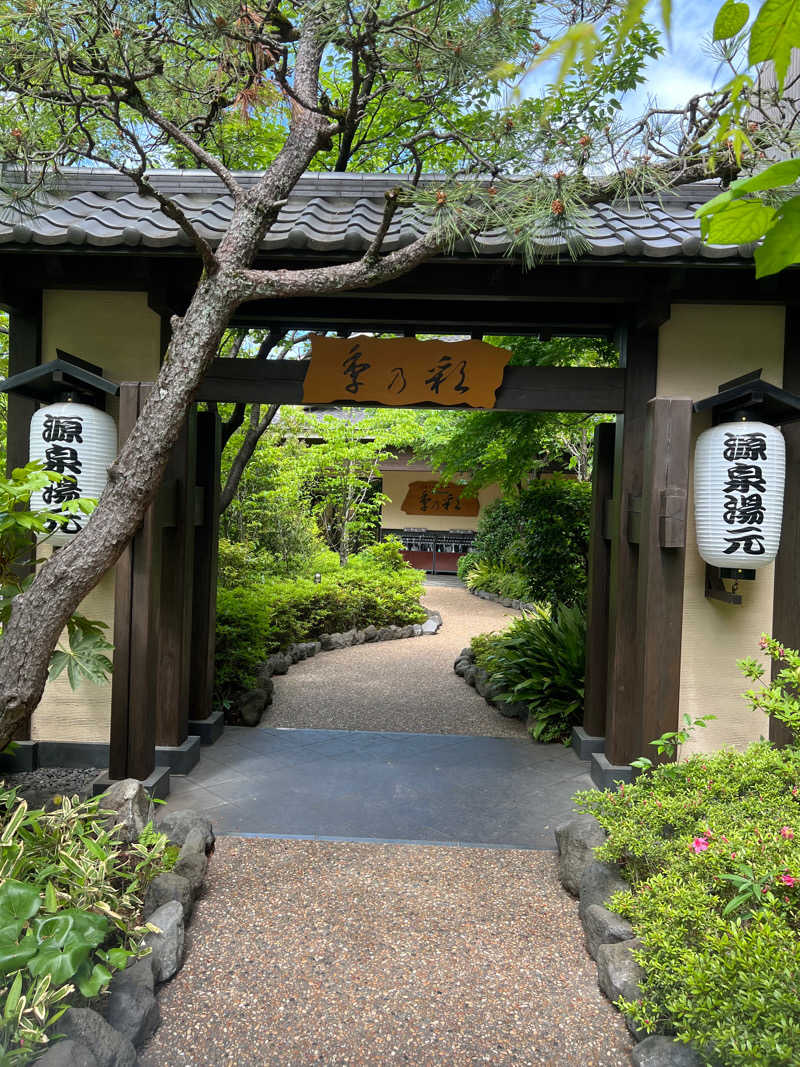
(400, 686)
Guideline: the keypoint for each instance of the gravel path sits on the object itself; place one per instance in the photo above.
(307, 952)
(405, 686)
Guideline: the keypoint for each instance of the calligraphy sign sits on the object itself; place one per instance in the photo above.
(430, 498)
(739, 476)
(399, 371)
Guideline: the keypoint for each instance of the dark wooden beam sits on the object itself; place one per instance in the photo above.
(24, 353)
(596, 685)
(785, 613)
(623, 726)
(204, 594)
(662, 559)
(597, 389)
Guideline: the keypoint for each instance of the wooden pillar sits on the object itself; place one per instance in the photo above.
(785, 614)
(136, 612)
(204, 597)
(662, 559)
(623, 726)
(596, 685)
(176, 508)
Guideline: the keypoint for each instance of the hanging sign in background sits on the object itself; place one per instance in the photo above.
(430, 498)
(399, 371)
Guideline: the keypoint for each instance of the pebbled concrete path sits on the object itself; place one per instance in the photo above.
(399, 685)
(362, 954)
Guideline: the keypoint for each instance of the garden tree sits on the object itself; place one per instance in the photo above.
(3, 396)
(122, 85)
(755, 119)
(508, 448)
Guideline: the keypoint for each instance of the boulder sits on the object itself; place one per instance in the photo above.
(576, 841)
(598, 883)
(370, 633)
(177, 824)
(297, 652)
(349, 638)
(131, 1007)
(167, 946)
(433, 623)
(467, 654)
(417, 628)
(460, 666)
(313, 648)
(331, 642)
(360, 638)
(511, 709)
(87, 1027)
(131, 809)
(385, 634)
(506, 601)
(481, 682)
(166, 887)
(470, 674)
(251, 706)
(658, 1051)
(192, 862)
(604, 927)
(618, 973)
(406, 631)
(68, 1053)
(280, 663)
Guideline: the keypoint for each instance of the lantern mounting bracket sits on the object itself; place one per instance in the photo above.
(750, 397)
(66, 375)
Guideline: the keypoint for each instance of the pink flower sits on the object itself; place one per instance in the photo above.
(787, 879)
(787, 833)
(699, 845)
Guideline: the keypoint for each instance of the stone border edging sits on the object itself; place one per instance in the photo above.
(506, 601)
(130, 1014)
(250, 707)
(610, 939)
(464, 666)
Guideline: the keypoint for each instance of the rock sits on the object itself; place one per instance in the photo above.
(167, 947)
(433, 623)
(598, 883)
(280, 663)
(370, 633)
(312, 648)
(618, 973)
(192, 862)
(166, 887)
(406, 631)
(417, 628)
(604, 927)
(658, 1051)
(349, 638)
(385, 634)
(131, 1007)
(511, 709)
(68, 1053)
(506, 601)
(577, 840)
(131, 808)
(360, 638)
(330, 642)
(298, 652)
(481, 682)
(470, 674)
(86, 1027)
(467, 654)
(460, 666)
(177, 824)
(251, 707)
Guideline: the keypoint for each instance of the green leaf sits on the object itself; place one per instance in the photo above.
(12, 1000)
(774, 33)
(50, 898)
(90, 983)
(738, 222)
(60, 964)
(731, 18)
(780, 174)
(781, 246)
(14, 955)
(18, 901)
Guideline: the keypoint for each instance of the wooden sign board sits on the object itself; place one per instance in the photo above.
(430, 498)
(399, 371)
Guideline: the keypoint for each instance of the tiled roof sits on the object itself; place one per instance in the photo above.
(325, 213)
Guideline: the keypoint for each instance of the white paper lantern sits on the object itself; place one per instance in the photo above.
(80, 443)
(739, 473)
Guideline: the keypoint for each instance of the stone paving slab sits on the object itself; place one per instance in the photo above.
(305, 952)
(385, 786)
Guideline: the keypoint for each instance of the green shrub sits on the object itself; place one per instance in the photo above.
(712, 849)
(482, 645)
(543, 535)
(540, 661)
(465, 565)
(70, 901)
(252, 622)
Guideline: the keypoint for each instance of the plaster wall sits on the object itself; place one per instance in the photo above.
(700, 347)
(120, 333)
(395, 485)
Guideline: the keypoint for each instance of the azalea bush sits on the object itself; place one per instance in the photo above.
(70, 912)
(711, 847)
